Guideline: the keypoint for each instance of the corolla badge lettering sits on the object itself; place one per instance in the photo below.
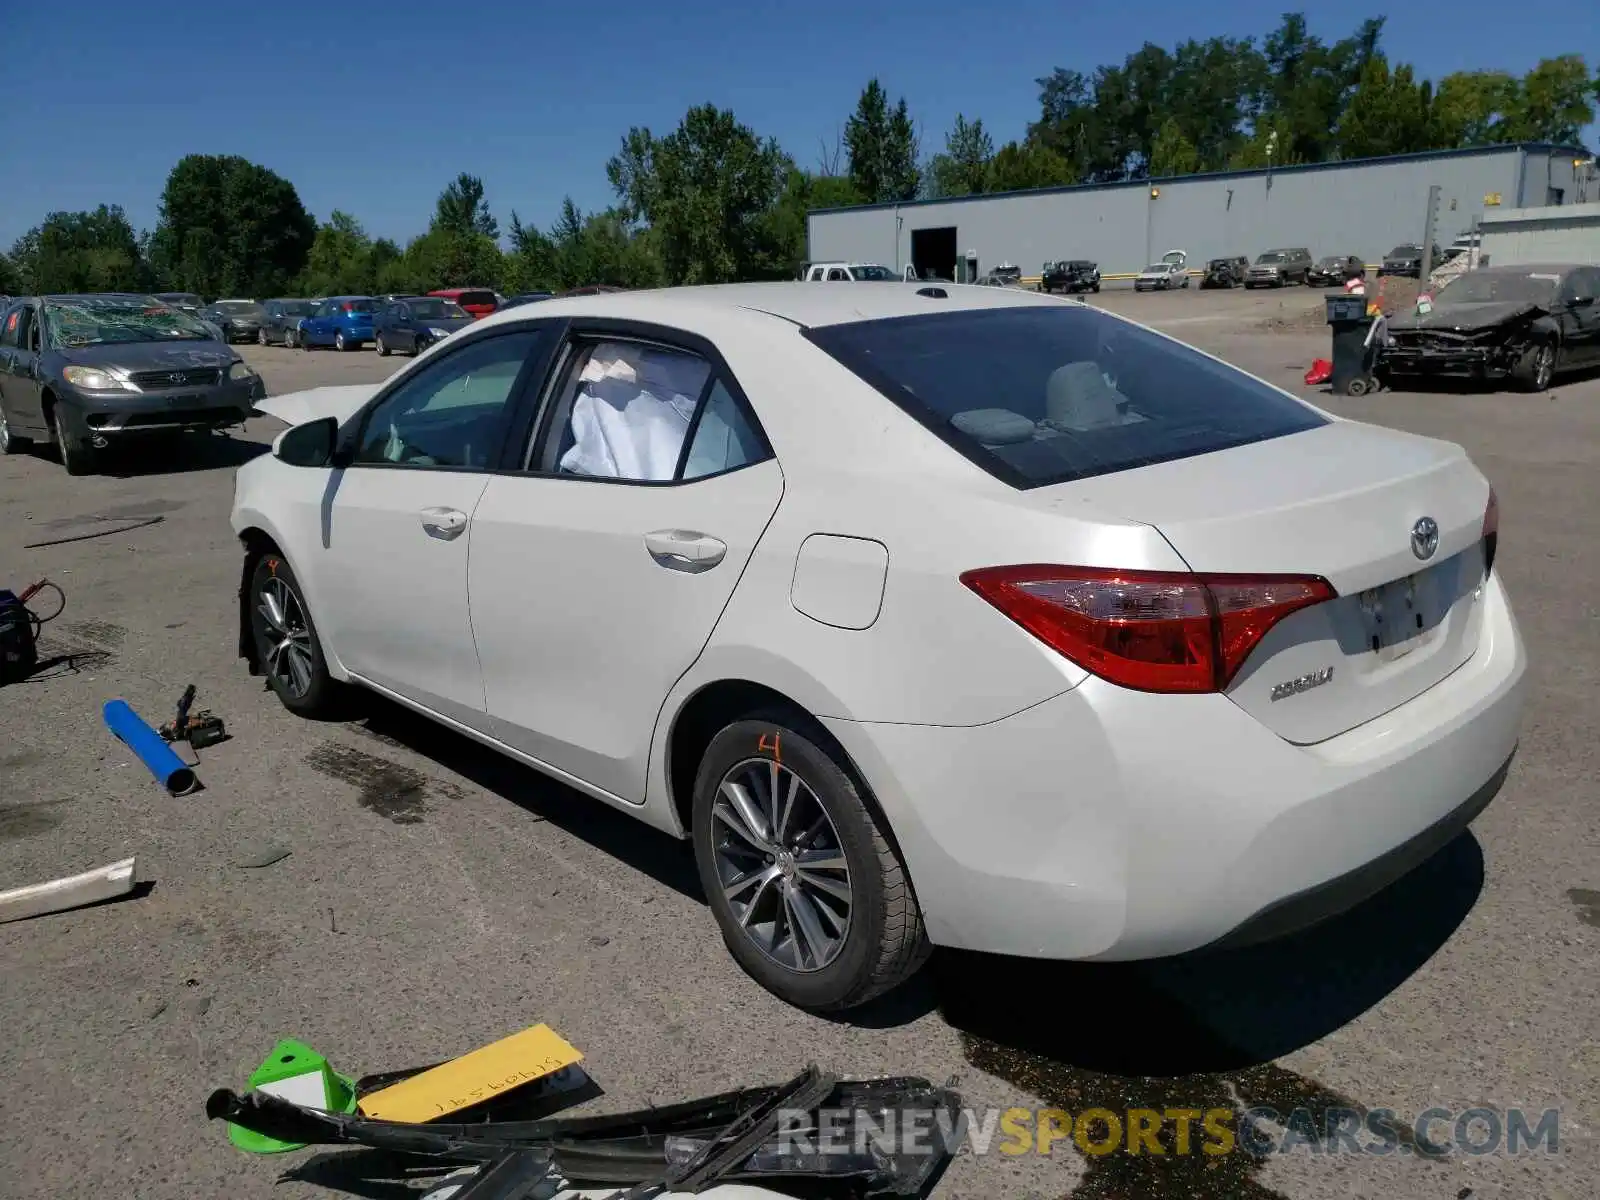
(1293, 687)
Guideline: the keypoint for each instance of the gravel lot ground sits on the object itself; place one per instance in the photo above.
(438, 897)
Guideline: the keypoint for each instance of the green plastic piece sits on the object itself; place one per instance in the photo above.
(296, 1072)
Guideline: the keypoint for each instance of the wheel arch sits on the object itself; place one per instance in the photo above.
(717, 704)
(257, 544)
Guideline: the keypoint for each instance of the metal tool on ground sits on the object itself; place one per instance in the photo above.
(20, 627)
(199, 729)
(129, 728)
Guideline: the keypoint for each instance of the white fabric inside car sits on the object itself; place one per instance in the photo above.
(632, 412)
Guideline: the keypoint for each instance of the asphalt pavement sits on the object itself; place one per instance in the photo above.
(438, 897)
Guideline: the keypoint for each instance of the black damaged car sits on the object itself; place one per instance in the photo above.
(1226, 272)
(1526, 323)
(1070, 276)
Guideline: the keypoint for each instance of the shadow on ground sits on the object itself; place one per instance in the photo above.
(1196, 1033)
(646, 850)
(178, 455)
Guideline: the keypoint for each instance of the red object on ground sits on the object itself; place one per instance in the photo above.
(1321, 371)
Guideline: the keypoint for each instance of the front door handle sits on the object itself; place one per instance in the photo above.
(443, 523)
(685, 549)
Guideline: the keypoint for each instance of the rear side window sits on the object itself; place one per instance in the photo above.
(359, 306)
(1041, 395)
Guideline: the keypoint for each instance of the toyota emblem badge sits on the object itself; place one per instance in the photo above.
(1425, 537)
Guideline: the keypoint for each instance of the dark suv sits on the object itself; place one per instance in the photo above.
(1406, 260)
(1070, 275)
(84, 372)
(1226, 272)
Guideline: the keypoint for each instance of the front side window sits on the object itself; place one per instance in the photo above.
(451, 412)
(1038, 395)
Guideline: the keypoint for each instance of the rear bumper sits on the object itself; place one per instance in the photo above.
(1111, 824)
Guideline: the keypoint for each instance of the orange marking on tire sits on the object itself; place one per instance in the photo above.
(771, 744)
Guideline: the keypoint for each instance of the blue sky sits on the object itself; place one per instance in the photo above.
(373, 108)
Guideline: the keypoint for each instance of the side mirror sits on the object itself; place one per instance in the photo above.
(308, 445)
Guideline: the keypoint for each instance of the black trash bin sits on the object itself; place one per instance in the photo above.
(1352, 358)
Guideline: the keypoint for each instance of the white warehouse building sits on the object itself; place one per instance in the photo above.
(1362, 207)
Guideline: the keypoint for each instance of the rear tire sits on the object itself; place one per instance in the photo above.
(286, 642)
(10, 443)
(339, 342)
(1536, 367)
(377, 344)
(789, 909)
(261, 337)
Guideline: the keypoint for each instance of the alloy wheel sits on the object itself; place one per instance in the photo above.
(1544, 363)
(781, 865)
(5, 433)
(261, 337)
(288, 652)
(338, 340)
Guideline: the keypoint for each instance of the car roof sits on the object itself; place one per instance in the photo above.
(798, 303)
(1527, 269)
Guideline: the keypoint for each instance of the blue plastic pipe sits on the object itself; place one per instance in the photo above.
(167, 767)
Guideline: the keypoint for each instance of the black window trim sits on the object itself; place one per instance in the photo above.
(534, 366)
(971, 450)
(584, 330)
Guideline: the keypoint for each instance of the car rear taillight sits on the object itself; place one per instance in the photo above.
(1154, 631)
(1491, 531)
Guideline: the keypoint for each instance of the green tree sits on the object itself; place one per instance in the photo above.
(1553, 104)
(340, 262)
(1017, 166)
(1474, 108)
(1390, 113)
(462, 210)
(881, 148)
(11, 281)
(706, 190)
(963, 168)
(444, 258)
(81, 252)
(1173, 153)
(230, 227)
(803, 192)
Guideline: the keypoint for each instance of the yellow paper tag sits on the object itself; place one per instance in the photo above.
(473, 1078)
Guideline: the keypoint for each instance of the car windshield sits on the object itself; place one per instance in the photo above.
(437, 310)
(297, 308)
(1477, 287)
(1038, 395)
(1272, 256)
(476, 299)
(1160, 268)
(873, 274)
(1405, 252)
(1333, 260)
(240, 308)
(105, 320)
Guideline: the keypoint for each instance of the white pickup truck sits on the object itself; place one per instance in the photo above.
(845, 272)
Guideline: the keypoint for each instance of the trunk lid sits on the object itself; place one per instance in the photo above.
(1340, 501)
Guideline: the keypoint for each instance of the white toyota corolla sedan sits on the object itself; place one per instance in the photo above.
(931, 614)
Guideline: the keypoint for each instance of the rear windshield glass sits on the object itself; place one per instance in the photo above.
(436, 310)
(298, 308)
(1041, 395)
(476, 299)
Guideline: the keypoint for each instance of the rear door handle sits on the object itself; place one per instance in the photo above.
(443, 523)
(685, 549)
